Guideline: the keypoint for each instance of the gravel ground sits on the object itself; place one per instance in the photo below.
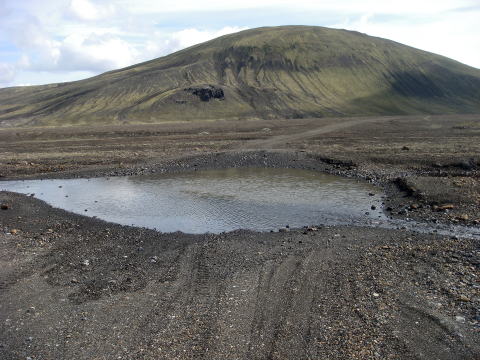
(74, 287)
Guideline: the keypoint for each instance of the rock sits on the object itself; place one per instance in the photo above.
(373, 207)
(283, 230)
(371, 194)
(414, 206)
(207, 93)
(405, 148)
(459, 318)
(4, 207)
(376, 294)
(312, 228)
(14, 231)
(463, 217)
(445, 207)
(464, 298)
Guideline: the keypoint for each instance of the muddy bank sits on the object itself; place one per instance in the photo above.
(75, 287)
(428, 195)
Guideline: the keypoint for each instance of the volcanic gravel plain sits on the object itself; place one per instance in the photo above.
(75, 287)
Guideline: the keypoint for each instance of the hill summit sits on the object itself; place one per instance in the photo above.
(271, 72)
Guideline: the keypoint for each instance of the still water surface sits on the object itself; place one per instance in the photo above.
(214, 200)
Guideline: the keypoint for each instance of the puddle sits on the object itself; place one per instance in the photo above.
(213, 200)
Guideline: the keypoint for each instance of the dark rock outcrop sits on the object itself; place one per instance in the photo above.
(206, 93)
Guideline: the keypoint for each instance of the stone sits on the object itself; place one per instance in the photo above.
(4, 207)
(373, 207)
(376, 294)
(459, 318)
(14, 231)
(283, 230)
(445, 207)
(207, 93)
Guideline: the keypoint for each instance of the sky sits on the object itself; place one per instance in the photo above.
(48, 41)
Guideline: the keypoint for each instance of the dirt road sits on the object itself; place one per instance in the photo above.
(319, 128)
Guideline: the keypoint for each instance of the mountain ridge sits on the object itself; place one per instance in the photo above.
(269, 72)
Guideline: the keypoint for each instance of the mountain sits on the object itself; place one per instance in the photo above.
(271, 72)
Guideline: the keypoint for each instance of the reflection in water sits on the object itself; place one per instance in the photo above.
(214, 200)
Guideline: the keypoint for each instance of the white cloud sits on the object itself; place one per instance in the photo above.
(95, 52)
(48, 39)
(7, 73)
(86, 10)
(344, 6)
(165, 43)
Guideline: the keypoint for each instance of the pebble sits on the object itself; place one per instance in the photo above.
(445, 207)
(459, 318)
(376, 294)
